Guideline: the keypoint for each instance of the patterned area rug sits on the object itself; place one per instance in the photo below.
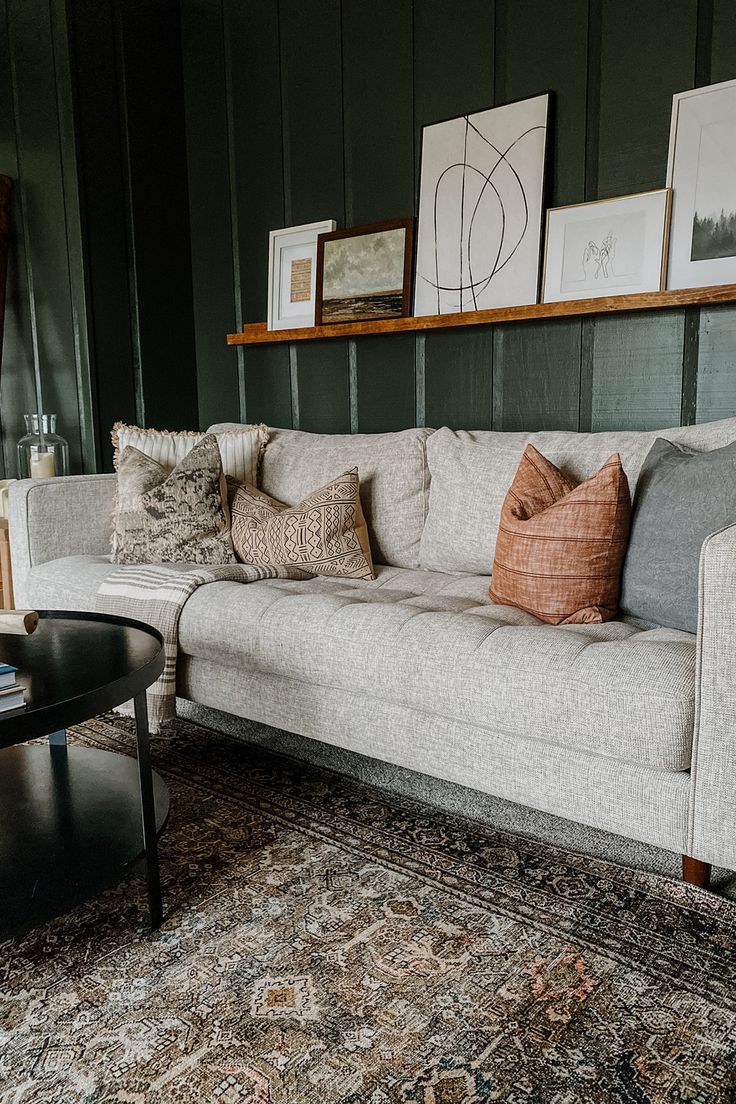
(326, 943)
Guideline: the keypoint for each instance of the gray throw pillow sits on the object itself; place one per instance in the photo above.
(177, 515)
(681, 498)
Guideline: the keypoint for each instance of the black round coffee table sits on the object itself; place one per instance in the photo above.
(73, 819)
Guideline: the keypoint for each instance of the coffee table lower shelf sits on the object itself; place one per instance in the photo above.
(70, 826)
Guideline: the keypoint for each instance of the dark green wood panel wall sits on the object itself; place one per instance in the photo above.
(156, 142)
(99, 319)
(17, 390)
(324, 101)
(379, 184)
(44, 340)
(536, 381)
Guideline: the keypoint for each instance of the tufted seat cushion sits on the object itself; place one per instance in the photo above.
(435, 643)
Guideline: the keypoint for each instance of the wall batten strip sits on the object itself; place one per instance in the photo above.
(420, 380)
(294, 381)
(353, 384)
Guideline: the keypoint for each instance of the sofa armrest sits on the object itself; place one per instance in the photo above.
(713, 791)
(51, 518)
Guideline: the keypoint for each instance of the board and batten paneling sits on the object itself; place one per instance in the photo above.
(255, 170)
(214, 281)
(17, 393)
(378, 38)
(99, 318)
(155, 168)
(453, 74)
(637, 364)
(44, 352)
(132, 256)
(93, 49)
(536, 375)
(314, 183)
(325, 103)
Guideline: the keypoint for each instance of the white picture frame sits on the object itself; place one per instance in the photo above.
(480, 209)
(701, 170)
(607, 247)
(292, 274)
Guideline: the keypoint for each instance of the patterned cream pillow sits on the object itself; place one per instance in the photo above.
(325, 534)
(241, 448)
(172, 516)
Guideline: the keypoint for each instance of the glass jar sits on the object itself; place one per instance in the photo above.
(42, 452)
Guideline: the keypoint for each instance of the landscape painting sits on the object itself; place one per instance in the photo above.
(714, 219)
(364, 273)
(701, 171)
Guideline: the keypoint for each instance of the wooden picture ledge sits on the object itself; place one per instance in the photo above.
(256, 333)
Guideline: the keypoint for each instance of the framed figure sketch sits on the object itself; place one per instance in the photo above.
(606, 247)
(480, 209)
(701, 171)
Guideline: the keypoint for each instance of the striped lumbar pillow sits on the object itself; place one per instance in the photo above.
(561, 545)
(325, 534)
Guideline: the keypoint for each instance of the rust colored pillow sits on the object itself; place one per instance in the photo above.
(561, 545)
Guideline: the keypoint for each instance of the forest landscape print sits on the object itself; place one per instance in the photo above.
(714, 218)
(363, 276)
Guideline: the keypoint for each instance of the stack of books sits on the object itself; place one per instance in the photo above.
(12, 698)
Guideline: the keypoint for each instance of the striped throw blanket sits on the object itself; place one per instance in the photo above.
(156, 594)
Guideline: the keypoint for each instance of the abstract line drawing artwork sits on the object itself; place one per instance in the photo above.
(606, 247)
(702, 173)
(598, 256)
(480, 209)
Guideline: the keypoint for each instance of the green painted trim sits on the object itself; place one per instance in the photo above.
(420, 379)
(294, 383)
(353, 383)
(587, 350)
(690, 358)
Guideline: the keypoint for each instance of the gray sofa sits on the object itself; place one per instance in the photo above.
(624, 726)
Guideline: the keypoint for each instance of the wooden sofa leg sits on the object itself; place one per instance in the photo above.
(695, 872)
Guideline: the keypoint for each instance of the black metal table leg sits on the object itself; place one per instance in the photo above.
(148, 811)
(58, 739)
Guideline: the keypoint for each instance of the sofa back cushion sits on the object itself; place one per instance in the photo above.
(392, 469)
(471, 471)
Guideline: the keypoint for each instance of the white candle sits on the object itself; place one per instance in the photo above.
(43, 465)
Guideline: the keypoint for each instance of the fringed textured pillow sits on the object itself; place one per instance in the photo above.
(241, 447)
